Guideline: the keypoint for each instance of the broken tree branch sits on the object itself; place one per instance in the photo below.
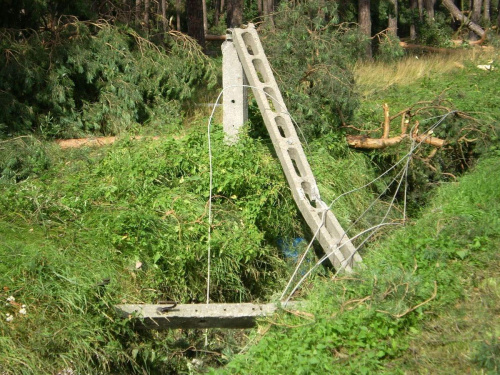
(386, 121)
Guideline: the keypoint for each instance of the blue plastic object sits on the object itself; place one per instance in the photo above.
(291, 248)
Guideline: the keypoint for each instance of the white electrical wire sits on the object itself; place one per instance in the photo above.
(210, 218)
(413, 147)
(373, 230)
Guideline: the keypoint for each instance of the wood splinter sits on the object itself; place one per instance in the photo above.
(364, 142)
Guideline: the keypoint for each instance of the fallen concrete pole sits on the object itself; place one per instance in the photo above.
(214, 315)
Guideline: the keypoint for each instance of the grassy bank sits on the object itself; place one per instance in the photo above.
(427, 300)
(414, 308)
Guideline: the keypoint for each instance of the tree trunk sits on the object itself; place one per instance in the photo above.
(487, 12)
(393, 19)
(164, 15)
(146, 15)
(270, 10)
(498, 17)
(361, 141)
(413, 29)
(259, 7)
(475, 16)
(234, 13)
(429, 7)
(205, 21)
(178, 14)
(421, 10)
(365, 24)
(457, 14)
(217, 12)
(194, 10)
(138, 11)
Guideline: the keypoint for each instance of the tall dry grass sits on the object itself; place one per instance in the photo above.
(375, 76)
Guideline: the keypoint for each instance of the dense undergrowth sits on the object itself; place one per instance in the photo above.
(95, 78)
(365, 323)
(136, 213)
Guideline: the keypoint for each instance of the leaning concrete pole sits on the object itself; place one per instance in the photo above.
(279, 124)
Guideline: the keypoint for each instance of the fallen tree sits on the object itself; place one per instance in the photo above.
(457, 14)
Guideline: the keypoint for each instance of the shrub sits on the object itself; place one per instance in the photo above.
(94, 77)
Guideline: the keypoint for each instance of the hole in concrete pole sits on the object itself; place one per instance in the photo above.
(297, 171)
(306, 186)
(233, 101)
(294, 158)
(261, 71)
(282, 126)
(249, 43)
(271, 99)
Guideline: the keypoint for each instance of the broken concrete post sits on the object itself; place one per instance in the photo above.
(214, 315)
(234, 100)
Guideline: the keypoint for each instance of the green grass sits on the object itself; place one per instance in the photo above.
(70, 219)
(426, 302)
(378, 320)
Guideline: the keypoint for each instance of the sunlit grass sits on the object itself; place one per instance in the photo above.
(372, 77)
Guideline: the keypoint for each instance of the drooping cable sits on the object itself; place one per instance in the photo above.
(407, 157)
(209, 126)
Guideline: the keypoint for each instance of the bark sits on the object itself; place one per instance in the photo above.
(475, 16)
(234, 13)
(457, 14)
(205, 22)
(498, 17)
(146, 14)
(429, 7)
(259, 7)
(270, 11)
(364, 142)
(487, 12)
(365, 24)
(164, 15)
(393, 19)
(413, 29)
(267, 9)
(421, 10)
(217, 12)
(178, 13)
(137, 10)
(194, 9)
(361, 141)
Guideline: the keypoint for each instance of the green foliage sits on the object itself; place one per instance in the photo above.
(21, 158)
(436, 32)
(389, 49)
(488, 355)
(94, 77)
(313, 56)
(362, 323)
(469, 132)
(93, 214)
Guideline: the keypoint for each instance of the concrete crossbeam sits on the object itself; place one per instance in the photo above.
(215, 315)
